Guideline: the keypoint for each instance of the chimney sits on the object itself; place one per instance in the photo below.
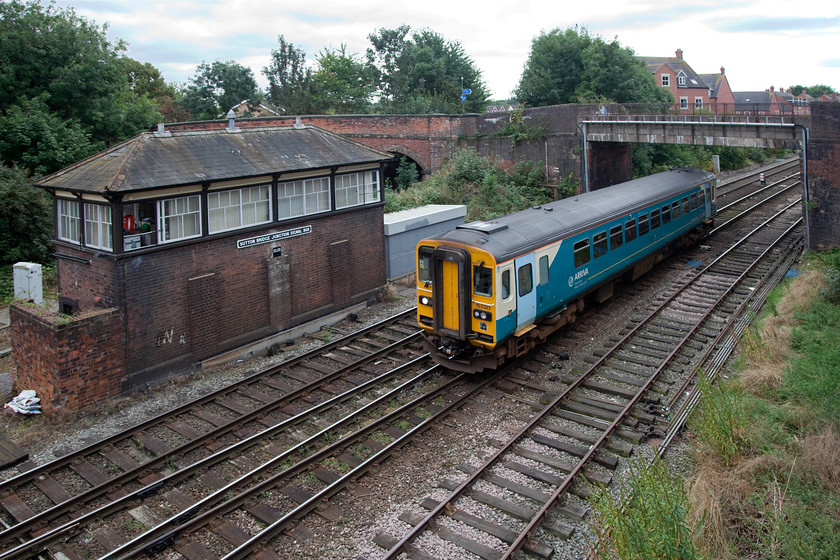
(722, 71)
(679, 54)
(231, 117)
(772, 89)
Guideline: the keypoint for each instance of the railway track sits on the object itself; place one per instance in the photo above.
(275, 407)
(225, 475)
(625, 390)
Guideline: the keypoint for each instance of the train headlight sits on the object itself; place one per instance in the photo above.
(425, 300)
(483, 315)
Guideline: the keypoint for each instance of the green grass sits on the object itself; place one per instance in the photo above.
(779, 501)
(649, 518)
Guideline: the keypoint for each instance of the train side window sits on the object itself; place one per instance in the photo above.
(654, 219)
(505, 284)
(424, 265)
(581, 252)
(615, 237)
(526, 280)
(543, 270)
(482, 281)
(666, 214)
(694, 201)
(685, 205)
(630, 230)
(701, 199)
(675, 210)
(644, 225)
(599, 244)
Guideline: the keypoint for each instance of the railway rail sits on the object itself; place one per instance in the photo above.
(224, 475)
(277, 405)
(660, 349)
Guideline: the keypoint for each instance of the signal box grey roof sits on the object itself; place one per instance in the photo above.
(153, 160)
(521, 232)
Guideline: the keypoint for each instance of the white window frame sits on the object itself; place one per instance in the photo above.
(698, 103)
(303, 197)
(683, 102)
(666, 80)
(681, 80)
(99, 232)
(69, 220)
(238, 208)
(179, 218)
(355, 189)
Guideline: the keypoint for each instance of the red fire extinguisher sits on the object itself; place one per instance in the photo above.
(129, 223)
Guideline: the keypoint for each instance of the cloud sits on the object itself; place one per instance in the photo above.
(776, 24)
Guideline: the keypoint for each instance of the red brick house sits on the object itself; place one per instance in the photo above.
(721, 98)
(185, 244)
(763, 103)
(690, 91)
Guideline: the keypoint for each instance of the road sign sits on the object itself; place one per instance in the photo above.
(463, 97)
(467, 91)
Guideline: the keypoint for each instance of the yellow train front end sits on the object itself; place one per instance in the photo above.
(456, 304)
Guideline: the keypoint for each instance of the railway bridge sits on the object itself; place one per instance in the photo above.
(572, 141)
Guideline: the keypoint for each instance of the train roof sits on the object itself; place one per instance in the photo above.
(509, 236)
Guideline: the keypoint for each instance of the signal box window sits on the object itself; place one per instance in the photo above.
(180, 218)
(666, 214)
(630, 230)
(654, 219)
(482, 281)
(526, 281)
(615, 237)
(424, 265)
(506, 284)
(581, 252)
(599, 244)
(644, 224)
(543, 270)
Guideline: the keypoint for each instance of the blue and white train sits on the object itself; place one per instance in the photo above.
(490, 291)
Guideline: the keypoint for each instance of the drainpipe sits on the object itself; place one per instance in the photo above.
(585, 162)
(805, 184)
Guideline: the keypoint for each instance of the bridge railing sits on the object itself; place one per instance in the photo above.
(666, 112)
(713, 112)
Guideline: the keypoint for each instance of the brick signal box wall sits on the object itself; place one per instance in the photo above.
(147, 317)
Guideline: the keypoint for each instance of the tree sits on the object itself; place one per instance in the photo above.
(59, 71)
(26, 219)
(342, 83)
(216, 88)
(424, 73)
(291, 86)
(814, 91)
(570, 66)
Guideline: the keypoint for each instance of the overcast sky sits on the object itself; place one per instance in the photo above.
(759, 42)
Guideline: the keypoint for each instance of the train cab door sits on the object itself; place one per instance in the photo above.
(452, 292)
(710, 199)
(526, 294)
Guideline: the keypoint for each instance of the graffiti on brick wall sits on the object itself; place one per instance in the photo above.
(165, 337)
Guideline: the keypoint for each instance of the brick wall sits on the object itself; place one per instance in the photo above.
(187, 303)
(71, 363)
(427, 139)
(824, 175)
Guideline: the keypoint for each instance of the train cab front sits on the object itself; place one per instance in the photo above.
(458, 323)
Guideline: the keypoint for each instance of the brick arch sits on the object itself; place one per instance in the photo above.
(422, 163)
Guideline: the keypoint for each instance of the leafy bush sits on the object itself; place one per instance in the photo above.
(407, 173)
(26, 219)
(488, 188)
(649, 518)
(720, 423)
